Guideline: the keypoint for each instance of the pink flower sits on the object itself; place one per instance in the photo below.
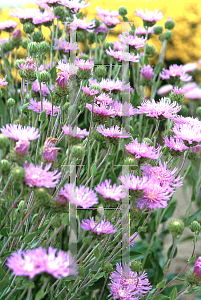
(164, 89)
(71, 69)
(142, 150)
(113, 132)
(36, 176)
(163, 108)
(10, 24)
(123, 110)
(64, 45)
(194, 93)
(82, 24)
(36, 88)
(197, 267)
(147, 72)
(27, 13)
(188, 132)
(125, 56)
(103, 98)
(118, 46)
(17, 33)
(17, 132)
(84, 65)
(131, 182)
(3, 82)
(106, 13)
(142, 31)
(102, 227)
(50, 151)
(110, 85)
(137, 42)
(102, 28)
(189, 86)
(43, 17)
(62, 79)
(29, 64)
(90, 91)
(175, 71)
(31, 262)
(101, 110)
(75, 132)
(176, 144)
(178, 91)
(190, 67)
(110, 21)
(36, 106)
(112, 192)
(22, 147)
(151, 16)
(74, 5)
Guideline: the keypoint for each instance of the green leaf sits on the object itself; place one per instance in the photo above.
(2, 201)
(158, 68)
(97, 253)
(42, 116)
(179, 279)
(5, 231)
(193, 217)
(78, 15)
(29, 237)
(20, 233)
(10, 196)
(161, 297)
(161, 284)
(173, 294)
(44, 125)
(93, 169)
(100, 275)
(2, 272)
(168, 211)
(111, 157)
(7, 63)
(4, 283)
(192, 260)
(40, 294)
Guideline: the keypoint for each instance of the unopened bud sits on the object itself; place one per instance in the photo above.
(81, 271)
(78, 151)
(123, 11)
(108, 268)
(5, 166)
(176, 227)
(167, 35)
(44, 47)
(195, 226)
(169, 24)
(44, 76)
(10, 102)
(136, 266)
(18, 174)
(33, 48)
(38, 36)
(28, 28)
(158, 29)
(4, 141)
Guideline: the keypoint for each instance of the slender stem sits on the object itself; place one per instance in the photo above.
(156, 129)
(103, 287)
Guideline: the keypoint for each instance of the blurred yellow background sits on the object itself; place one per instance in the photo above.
(186, 39)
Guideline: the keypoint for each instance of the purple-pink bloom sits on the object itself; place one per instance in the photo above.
(150, 16)
(43, 17)
(75, 132)
(147, 72)
(36, 176)
(22, 147)
(102, 110)
(142, 150)
(176, 144)
(104, 98)
(113, 132)
(110, 21)
(163, 108)
(82, 24)
(17, 132)
(62, 79)
(3, 82)
(111, 84)
(32, 262)
(74, 5)
(178, 91)
(118, 46)
(194, 93)
(142, 31)
(106, 13)
(17, 33)
(131, 182)
(197, 267)
(27, 13)
(8, 25)
(36, 88)
(165, 89)
(84, 65)
(123, 110)
(50, 151)
(102, 227)
(64, 45)
(188, 132)
(89, 91)
(132, 40)
(112, 192)
(175, 71)
(47, 106)
(125, 283)
(29, 64)
(190, 67)
(71, 69)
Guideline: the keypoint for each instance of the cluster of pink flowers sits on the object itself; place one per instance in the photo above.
(102, 227)
(175, 71)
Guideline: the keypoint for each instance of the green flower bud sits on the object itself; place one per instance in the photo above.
(18, 174)
(108, 45)
(97, 23)
(41, 193)
(6, 47)
(83, 74)
(78, 151)
(150, 50)
(44, 76)
(136, 266)
(123, 11)
(81, 271)
(5, 166)
(38, 36)
(57, 222)
(176, 97)
(60, 11)
(148, 141)
(4, 141)
(42, 116)
(193, 156)
(91, 37)
(158, 29)
(85, 57)
(10, 102)
(100, 71)
(24, 43)
(33, 48)
(195, 227)
(28, 28)
(44, 47)
(167, 35)
(169, 24)
(148, 23)
(108, 268)
(193, 279)
(176, 227)
(131, 161)
(81, 36)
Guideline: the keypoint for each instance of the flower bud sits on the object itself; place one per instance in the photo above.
(108, 268)
(195, 227)
(158, 29)
(169, 24)
(100, 72)
(136, 266)
(5, 166)
(6, 47)
(78, 151)
(60, 11)
(18, 174)
(176, 227)
(131, 161)
(33, 48)
(123, 11)
(91, 37)
(40, 193)
(150, 50)
(81, 271)
(4, 141)
(28, 28)
(44, 47)
(22, 147)
(96, 87)
(44, 76)
(85, 57)
(81, 36)
(167, 35)
(10, 102)
(19, 62)
(83, 73)
(38, 36)
(62, 79)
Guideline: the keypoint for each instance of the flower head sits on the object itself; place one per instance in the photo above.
(71, 69)
(132, 40)
(36, 261)
(142, 150)
(89, 91)
(188, 132)
(175, 144)
(8, 25)
(27, 13)
(36, 106)
(43, 17)
(85, 65)
(102, 227)
(113, 132)
(74, 5)
(151, 16)
(103, 98)
(17, 33)
(3, 82)
(147, 72)
(123, 110)
(36, 88)
(17, 132)
(120, 55)
(75, 132)
(64, 45)
(108, 191)
(101, 110)
(164, 89)
(62, 79)
(50, 151)
(142, 31)
(82, 24)
(175, 71)
(197, 267)
(36, 176)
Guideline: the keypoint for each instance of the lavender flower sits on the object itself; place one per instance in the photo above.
(142, 31)
(175, 71)
(197, 267)
(71, 69)
(25, 14)
(103, 98)
(150, 16)
(17, 132)
(82, 24)
(132, 40)
(74, 5)
(36, 88)
(175, 144)
(43, 17)
(102, 110)
(113, 132)
(8, 25)
(147, 72)
(36, 176)
(75, 132)
(142, 150)
(62, 79)
(3, 82)
(112, 192)
(50, 151)
(32, 262)
(36, 106)
(102, 227)
(123, 110)
(188, 132)
(125, 56)
(165, 89)
(84, 65)
(90, 91)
